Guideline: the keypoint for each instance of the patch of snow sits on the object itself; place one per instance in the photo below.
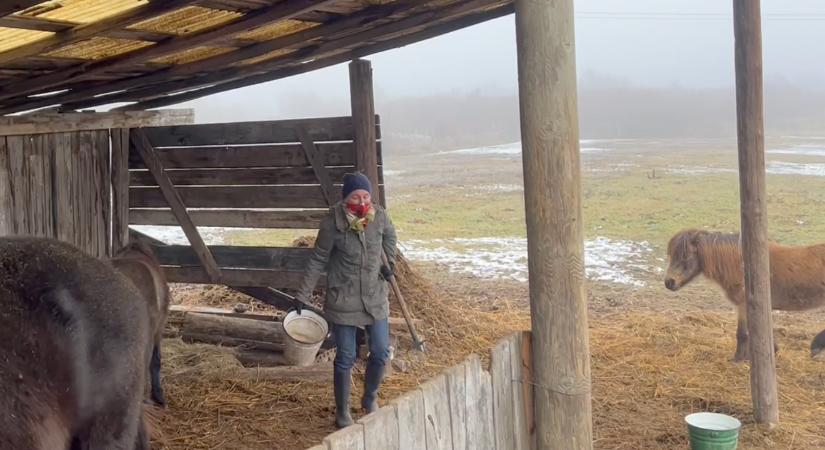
(697, 170)
(514, 148)
(499, 187)
(174, 235)
(787, 168)
(605, 259)
(804, 150)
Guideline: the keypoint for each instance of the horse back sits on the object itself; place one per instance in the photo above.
(72, 333)
(797, 277)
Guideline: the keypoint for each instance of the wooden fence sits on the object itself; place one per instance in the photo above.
(464, 408)
(269, 174)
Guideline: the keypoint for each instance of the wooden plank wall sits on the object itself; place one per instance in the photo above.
(244, 174)
(57, 185)
(464, 408)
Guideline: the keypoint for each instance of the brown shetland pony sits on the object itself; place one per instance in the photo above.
(797, 273)
(73, 350)
(137, 262)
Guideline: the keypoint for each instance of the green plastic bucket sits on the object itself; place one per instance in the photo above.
(712, 431)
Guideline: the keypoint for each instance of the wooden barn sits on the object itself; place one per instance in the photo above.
(84, 177)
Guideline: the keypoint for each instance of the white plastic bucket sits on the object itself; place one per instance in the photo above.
(303, 336)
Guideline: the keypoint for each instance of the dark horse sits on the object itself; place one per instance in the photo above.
(797, 273)
(74, 350)
(137, 261)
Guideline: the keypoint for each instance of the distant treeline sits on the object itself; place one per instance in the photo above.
(467, 120)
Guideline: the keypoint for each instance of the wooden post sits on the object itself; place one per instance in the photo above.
(555, 249)
(750, 131)
(363, 119)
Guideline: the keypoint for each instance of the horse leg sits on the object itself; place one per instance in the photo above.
(742, 351)
(154, 370)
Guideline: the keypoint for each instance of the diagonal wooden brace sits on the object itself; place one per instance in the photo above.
(147, 153)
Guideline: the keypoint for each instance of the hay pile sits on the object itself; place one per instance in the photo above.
(649, 370)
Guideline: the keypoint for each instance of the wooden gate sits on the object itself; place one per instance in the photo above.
(272, 174)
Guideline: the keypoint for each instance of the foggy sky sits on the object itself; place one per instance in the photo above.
(645, 43)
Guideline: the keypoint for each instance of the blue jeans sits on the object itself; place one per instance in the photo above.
(347, 348)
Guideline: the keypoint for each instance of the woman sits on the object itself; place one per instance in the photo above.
(348, 247)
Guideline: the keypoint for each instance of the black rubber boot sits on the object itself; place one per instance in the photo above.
(372, 380)
(341, 385)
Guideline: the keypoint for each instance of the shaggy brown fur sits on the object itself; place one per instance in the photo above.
(73, 336)
(797, 273)
(137, 262)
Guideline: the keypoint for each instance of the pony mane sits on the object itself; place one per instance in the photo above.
(720, 253)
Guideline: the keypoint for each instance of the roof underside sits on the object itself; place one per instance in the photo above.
(79, 54)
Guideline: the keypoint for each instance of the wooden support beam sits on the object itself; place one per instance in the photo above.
(248, 52)
(363, 119)
(65, 122)
(316, 159)
(12, 6)
(77, 34)
(157, 83)
(555, 249)
(319, 63)
(147, 152)
(36, 23)
(750, 129)
(254, 19)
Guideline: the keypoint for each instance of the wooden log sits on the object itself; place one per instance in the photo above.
(501, 380)
(232, 197)
(65, 122)
(437, 412)
(363, 119)
(750, 136)
(555, 248)
(248, 329)
(245, 176)
(120, 188)
(381, 429)
(260, 358)
(411, 420)
(349, 438)
(241, 218)
(481, 434)
(321, 372)
(258, 132)
(175, 202)
(250, 156)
